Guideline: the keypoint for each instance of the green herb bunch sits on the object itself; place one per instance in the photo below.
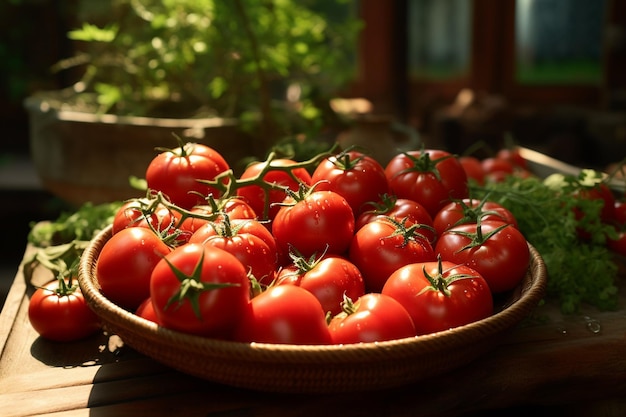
(580, 270)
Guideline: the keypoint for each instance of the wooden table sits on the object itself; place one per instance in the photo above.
(575, 365)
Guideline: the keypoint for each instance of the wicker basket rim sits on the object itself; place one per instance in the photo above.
(530, 292)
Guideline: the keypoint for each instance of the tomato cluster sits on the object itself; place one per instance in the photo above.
(338, 249)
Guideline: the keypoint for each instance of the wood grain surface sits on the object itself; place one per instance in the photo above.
(574, 364)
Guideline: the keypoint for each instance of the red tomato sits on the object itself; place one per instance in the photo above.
(618, 245)
(60, 313)
(322, 222)
(468, 211)
(125, 265)
(146, 311)
(493, 165)
(431, 177)
(600, 192)
(284, 314)
(371, 318)
(176, 173)
(248, 226)
(236, 208)
(496, 250)
(473, 168)
(263, 201)
(329, 278)
(619, 212)
(399, 209)
(201, 290)
(440, 295)
(253, 252)
(146, 213)
(380, 247)
(355, 176)
(513, 156)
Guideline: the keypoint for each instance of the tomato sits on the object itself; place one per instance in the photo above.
(496, 250)
(264, 202)
(373, 317)
(146, 311)
(200, 290)
(355, 176)
(146, 213)
(619, 213)
(618, 245)
(58, 312)
(473, 168)
(468, 211)
(513, 156)
(319, 222)
(382, 246)
(176, 173)
(236, 208)
(493, 165)
(125, 265)
(431, 177)
(259, 257)
(284, 314)
(599, 192)
(330, 278)
(440, 295)
(399, 209)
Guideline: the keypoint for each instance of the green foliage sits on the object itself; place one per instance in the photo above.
(210, 57)
(580, 271)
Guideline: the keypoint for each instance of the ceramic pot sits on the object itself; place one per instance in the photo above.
(83, 157)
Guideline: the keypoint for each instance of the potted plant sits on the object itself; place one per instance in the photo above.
(238, 75)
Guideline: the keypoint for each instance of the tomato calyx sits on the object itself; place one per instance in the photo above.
(477, 238)
(441, 283)
(346, 160)
(423, 163)
(408, 233)
(472, 214)
(191, 287)
(385, 205)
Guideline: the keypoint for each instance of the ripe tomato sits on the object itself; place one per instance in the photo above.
(468, 211)
(496, 250)
(285, 314)
(473, 168)
(321, 222)
(513, 156)
(382, 246)
(146, 213)
(373, 317)
(330, 278)
(58, 312)
(618, 245)
(263, 201)
(236, 208)
(249, 226)
(497, 165)
(258, 256)
(355, 176)
(440, 295)
(431, 177)
(176, 173)
(599, 192)
(201, 290)
(125, 265)
(146, 311)
(399, 209)
(619, 213)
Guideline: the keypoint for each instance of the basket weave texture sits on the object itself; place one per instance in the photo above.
(312, 369)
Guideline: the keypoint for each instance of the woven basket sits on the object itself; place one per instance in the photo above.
(312, 369)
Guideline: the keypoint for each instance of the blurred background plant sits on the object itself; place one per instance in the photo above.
(273, 65)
